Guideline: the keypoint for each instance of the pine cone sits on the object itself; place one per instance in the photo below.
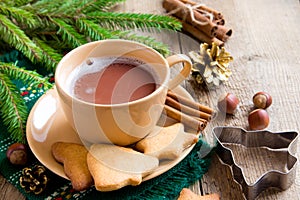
(34, 180)
(210, 65)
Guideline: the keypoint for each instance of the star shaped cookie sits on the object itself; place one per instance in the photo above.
(168, 142)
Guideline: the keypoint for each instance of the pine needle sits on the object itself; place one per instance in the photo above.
(114, 20)
(50, 57)
(13, 109)
(15, 36)
(27, 76)
(22, 16)
(93, 30)
(147, 40)
(12, 106)
(69, 33)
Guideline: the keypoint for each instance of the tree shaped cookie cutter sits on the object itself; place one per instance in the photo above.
(281, 143)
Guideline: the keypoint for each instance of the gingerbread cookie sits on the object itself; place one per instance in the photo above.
(114, 167)
(73, 157)
(187, 194)
(168, 143)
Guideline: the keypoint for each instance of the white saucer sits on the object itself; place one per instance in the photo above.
(47, 124)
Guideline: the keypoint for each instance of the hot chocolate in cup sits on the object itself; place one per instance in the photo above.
(113, 91)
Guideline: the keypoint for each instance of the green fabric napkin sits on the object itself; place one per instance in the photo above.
(166, 186)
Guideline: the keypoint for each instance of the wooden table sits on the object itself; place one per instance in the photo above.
(265, 42)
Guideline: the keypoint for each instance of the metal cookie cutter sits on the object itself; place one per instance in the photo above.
(282, 144)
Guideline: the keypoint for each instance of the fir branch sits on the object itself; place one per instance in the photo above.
(100, 5)
(20, 15)
(66, 8)
(16, 3)
(18, 39)
(27, 76)
(45, 7)
(93, 30)
(13, 109)
(54, 7)
(83, 7)
(113, 20)
(55, 42)
(50, 57)
(98, 33)
(147, 40)
(69, 33)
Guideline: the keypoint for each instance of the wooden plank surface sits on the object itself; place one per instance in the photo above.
(265, 46)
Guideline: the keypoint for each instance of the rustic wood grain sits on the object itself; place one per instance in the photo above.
(265, 46)
(8, 191)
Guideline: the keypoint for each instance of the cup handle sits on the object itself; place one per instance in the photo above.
(184, 73)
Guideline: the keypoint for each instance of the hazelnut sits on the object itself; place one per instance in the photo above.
(228, 103)
(17, 154)
(258, 119)
(262, 100)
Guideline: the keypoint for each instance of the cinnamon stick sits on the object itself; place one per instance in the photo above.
(219, 21)
(223, 33)
(200, 119)
(180, 11)
(215, 13)
(187, 110)
(199, 35)
(217, 32)
(185, 119)
(192, 104)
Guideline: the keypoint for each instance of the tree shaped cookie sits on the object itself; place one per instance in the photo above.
(114, 167)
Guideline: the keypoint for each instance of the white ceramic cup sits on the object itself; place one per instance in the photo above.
(123, 123)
